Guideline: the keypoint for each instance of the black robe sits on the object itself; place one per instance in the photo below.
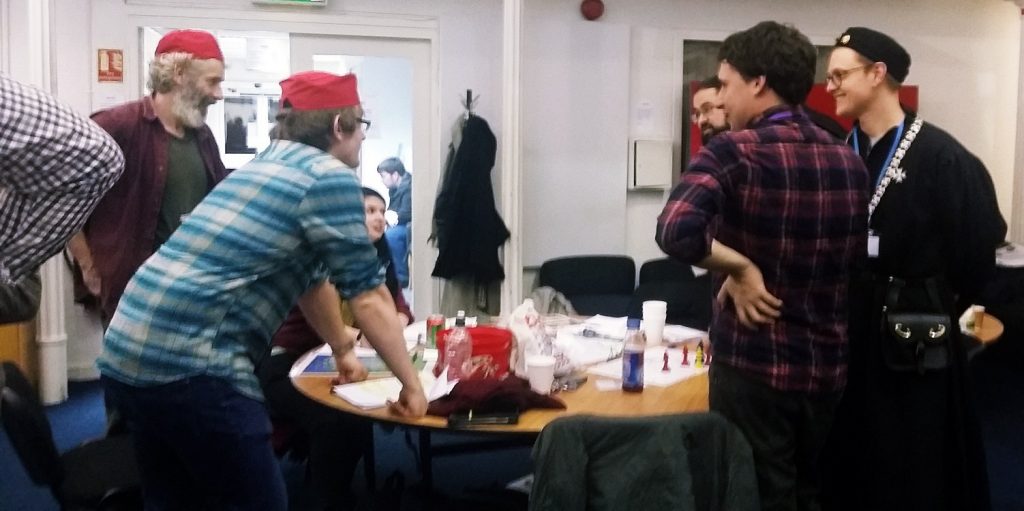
(903, 440)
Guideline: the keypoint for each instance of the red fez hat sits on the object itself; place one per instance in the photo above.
(201, 45)
(317, 90)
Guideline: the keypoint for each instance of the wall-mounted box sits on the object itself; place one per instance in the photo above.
(650, 164)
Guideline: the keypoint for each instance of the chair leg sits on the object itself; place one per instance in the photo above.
(370, 464)
(426, 459)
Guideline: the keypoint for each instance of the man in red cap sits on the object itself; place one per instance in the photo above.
(171, 162)
(197, 318)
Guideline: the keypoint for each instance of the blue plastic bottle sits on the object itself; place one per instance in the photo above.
(633, 357)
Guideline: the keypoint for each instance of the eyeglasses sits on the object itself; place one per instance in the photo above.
(705, 110)
(836, 77)
(365, 123)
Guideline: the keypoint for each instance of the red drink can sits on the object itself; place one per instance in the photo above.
(435, 323)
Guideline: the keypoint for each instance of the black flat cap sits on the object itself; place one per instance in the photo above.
(877, 47)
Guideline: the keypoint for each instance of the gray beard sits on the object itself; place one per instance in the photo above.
(189, 108)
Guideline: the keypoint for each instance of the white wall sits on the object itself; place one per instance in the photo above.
(575, 131)
(1017, 228)
(966, 59)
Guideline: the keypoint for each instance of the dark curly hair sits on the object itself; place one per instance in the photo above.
(780, 53)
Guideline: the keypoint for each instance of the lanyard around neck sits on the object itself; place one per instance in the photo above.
(778, 116)
(892, 150)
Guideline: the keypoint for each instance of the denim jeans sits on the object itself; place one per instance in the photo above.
(201, 445)
(398, 241)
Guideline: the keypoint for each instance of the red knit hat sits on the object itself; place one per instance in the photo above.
(202, 45)
(317, 90)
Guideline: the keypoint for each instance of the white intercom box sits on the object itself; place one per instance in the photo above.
(650, 164)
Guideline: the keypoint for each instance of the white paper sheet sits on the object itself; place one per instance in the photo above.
(376, 393)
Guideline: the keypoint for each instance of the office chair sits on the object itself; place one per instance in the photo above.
(688, 297)
(682, 461)
(665, 269)
(594, 284)
(97, 475)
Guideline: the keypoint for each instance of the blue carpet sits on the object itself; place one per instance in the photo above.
(74, 421)
(998, 376)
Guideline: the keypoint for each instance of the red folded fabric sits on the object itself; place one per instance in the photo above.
(485, 396)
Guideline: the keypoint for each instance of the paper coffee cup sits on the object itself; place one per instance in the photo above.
(654, 321)
(540, 370)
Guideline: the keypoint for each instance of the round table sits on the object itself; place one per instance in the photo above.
(690, 395)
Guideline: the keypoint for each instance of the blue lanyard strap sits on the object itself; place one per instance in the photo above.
(892, 150)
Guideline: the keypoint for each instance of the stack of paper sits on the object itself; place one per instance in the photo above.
(674, 335)
(377, 393)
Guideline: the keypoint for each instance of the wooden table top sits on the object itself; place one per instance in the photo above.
(990, 331)
(689, 395)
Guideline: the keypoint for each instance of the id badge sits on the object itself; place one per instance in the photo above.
(872, 244)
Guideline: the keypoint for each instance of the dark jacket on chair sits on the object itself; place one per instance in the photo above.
(682, 462)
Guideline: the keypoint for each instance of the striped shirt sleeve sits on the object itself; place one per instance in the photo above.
(55, 166)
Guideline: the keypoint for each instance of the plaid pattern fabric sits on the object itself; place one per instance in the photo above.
(55, 166)
(792, 199)
(208, 301)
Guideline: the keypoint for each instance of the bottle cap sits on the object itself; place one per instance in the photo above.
(633, 324)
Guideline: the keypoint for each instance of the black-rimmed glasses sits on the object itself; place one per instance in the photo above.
(836, 77)
(365, 123)
(705, 110)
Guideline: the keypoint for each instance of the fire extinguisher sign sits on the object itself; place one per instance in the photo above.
(110, 65)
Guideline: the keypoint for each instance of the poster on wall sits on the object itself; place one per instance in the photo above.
(110, 65)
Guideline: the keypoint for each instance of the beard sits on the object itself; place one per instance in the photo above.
(709, 132)
(191, 106)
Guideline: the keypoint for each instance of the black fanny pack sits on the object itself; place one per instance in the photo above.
(915, 340)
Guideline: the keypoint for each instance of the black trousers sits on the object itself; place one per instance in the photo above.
(786, 431)
(336, 440)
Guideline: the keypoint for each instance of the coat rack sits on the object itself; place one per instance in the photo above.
(469, 102)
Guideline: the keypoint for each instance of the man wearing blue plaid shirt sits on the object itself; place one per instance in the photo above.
(197, 317)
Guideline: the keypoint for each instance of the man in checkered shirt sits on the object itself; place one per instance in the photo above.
(776, 209)
(55, 165)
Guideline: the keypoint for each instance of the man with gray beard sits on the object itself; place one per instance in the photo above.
(171, 162)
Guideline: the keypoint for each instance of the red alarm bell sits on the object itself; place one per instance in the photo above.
(592, 9)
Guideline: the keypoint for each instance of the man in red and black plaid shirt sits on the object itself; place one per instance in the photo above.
(777, 209)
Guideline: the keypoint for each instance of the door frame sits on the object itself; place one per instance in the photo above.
(426, 290)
